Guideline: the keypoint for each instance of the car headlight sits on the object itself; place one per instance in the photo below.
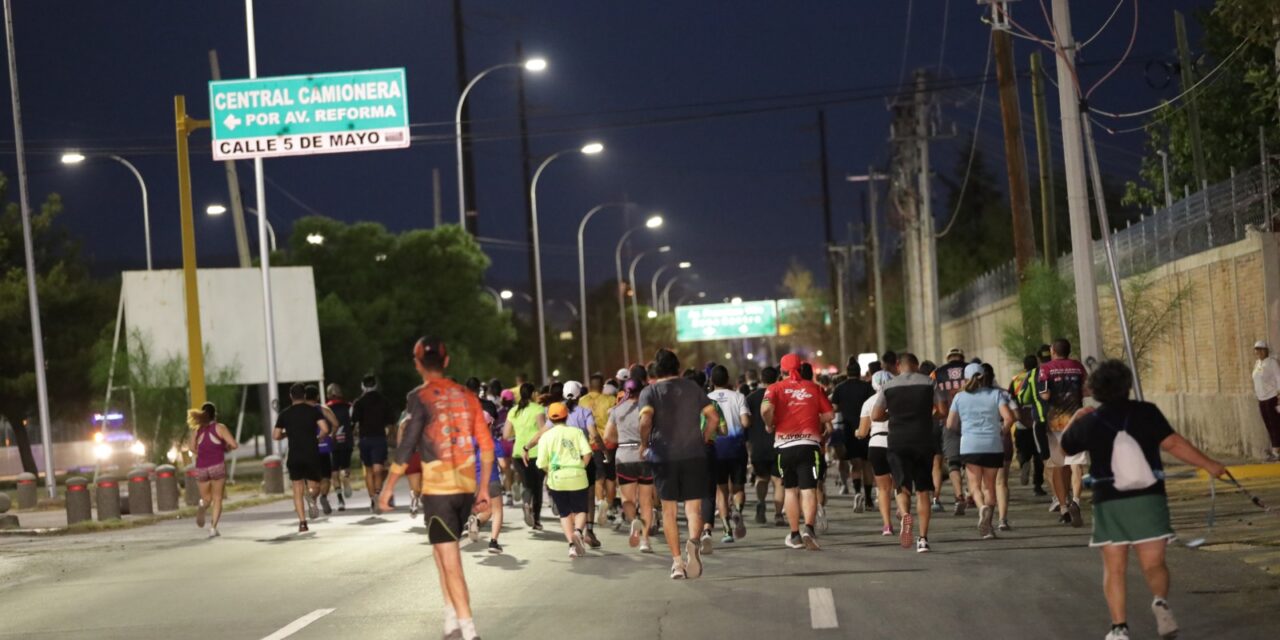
(138, 449)
(101, 451)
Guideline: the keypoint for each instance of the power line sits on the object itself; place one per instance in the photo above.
(973, 147)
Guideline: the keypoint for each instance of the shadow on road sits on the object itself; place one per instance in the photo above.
(291, 537)
(814, 574)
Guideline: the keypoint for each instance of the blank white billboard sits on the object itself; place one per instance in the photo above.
(231, 320)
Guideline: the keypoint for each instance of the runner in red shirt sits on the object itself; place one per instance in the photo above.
(799, 415)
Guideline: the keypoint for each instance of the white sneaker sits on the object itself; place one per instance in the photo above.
(922, 546)
(1053, 506)
(859, 503)
(577, 547)
(313, 512)
(644, 547)
(602, 513)
(822, 519)
(473, 529)
(1118, 634)
(1166, 625)
(346, 486)
(693, 560)
(705, 543)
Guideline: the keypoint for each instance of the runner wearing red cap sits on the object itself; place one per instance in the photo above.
(799, 415)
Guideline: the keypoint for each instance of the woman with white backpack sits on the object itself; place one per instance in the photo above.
(1124, 439)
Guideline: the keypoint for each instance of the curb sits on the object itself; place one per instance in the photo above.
(1248, 471)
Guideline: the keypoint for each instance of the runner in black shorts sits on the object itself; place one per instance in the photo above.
(799, 414)
(764, 459)
(909, 403)
(848, 399)
(303, 425)
(876, 435)
(344, 443)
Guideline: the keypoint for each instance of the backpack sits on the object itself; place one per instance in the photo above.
(1129, 467)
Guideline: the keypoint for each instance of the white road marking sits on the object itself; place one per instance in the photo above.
(822, 609)
(297, 625)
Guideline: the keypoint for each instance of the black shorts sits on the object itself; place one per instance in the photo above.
(879, 459)
(912, 468)
(634, 472)
(446, 515)
(801, 466)
(570, 502)
(987, 460)
(341, 458)
(855, 448)
(606, 470)
(764, 463)
(325, 465)
(305, 468)
(681, 479)
(373, 451)
(731, 470)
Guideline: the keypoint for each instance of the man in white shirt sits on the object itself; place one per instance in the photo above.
(1266, 384)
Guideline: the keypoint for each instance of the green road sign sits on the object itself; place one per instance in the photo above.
(305, 115)
(726, 321)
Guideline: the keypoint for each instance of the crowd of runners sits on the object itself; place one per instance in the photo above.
(634, 451)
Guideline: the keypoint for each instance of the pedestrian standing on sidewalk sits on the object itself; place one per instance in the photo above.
(1124, 439)
(211, 440)
(1266, 384)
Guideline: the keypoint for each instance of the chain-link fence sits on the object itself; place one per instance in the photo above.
(1215, 216)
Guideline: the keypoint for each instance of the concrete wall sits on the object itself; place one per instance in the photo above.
(1200, 369)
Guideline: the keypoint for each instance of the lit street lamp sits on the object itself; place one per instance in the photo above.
(582, 277)
(635, 293)
(654, 285)
(590, 149)
(315, 238)
(217, 210)
(654, 222)
(534, 65)
(73, 158)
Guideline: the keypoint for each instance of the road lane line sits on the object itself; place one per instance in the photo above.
(822, 609)
(297, 625)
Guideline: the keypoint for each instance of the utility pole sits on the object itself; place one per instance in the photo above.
(1015, 155)
(436, 208)
(1077, 189)
(840, 252)
(1044, 156)
(873, 249)
(1193, 111)
(526, 158)
(930, 338)
(826, 205)
(460, 59)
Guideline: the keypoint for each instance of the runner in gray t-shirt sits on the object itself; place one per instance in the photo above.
(635, 479)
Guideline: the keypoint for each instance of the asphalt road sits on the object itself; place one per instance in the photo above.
(357, 575)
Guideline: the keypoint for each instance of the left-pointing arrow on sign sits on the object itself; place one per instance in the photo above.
(232, 122)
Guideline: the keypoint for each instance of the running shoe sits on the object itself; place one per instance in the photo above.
(760, 514)
(922, 546)
(577, 544)
(602, 513)
(887, 531)
(213, 532)
(937, 506)
(704, 543)
(1064, 519)
(1024, 473)
(693, 559)
(637, 530)
(302, 527)
(780, 520)
(959, 508)
(342, 504)
(200, 510)
(528, 515)
(591, 539)
(984, 523)
(1055, 505)
(677, 571)
(507, 501)
(415, 505)
(473, 528)
(1005, 526)
(822, 519)
(1039, 492)
(739, 527)
(728, 538)
(844, 489)
(346, 487)
(573, 551)
(324, 504)
(904, 531)
(1272, 457)
(537, 526)
(793, 541)
(809, 540)
(494, 547)
(1166, 626)
(312, 511)
(644, 547)
(859, 503)
(1073, 514)
(1118, 633)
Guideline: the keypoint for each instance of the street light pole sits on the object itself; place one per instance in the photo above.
(666, 293)
(33, 297)
(217, 210)
(1164, 169)
(76, 158)
(652, 223)
(589, 149)
(653, 286)
(873, 246)
(635, 296)
(536, 64)
(582, 278)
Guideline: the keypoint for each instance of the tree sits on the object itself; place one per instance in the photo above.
(1233, 105)
(981, 237)
(810, 322)
(72, 310)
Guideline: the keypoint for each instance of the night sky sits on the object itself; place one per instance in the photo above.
(707, 110)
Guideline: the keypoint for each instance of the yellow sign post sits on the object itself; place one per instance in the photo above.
(183, 126)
